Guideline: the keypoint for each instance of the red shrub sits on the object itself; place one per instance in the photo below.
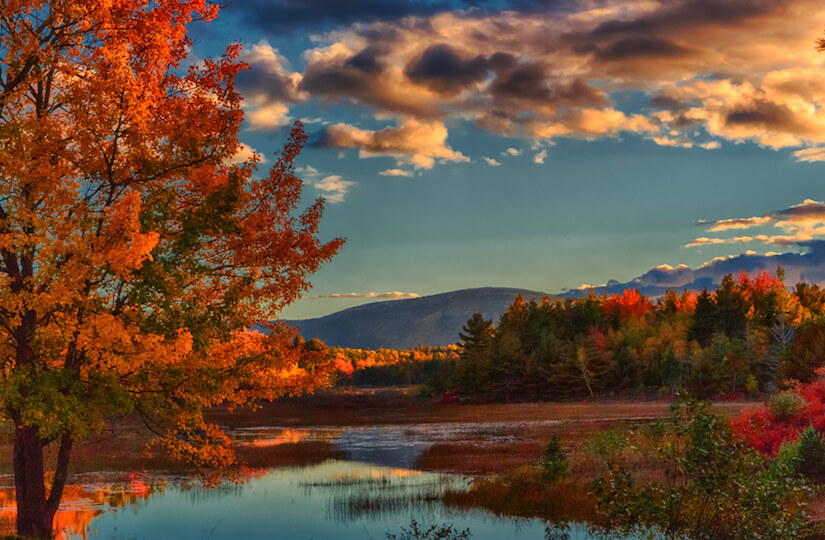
(766, 433)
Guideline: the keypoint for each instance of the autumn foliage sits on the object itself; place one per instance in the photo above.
(769, 427)
(135, 248)
(747, 335)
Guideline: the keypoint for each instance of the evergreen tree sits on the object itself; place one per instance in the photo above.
(704, 319)
(476, 337)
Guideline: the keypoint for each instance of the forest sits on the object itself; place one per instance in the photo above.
(751, 334)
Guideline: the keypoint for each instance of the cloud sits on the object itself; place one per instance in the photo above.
(445, 70)
(807, 266)
(413, 142)
(395, 172)
(811, 154)
(734, 70)
(265, 115)
(394, 295)
(492, 162)
(511, 152)
(245, 153)
(739, 223)
(268, 87)
(333, 188)
(540, 156)
(799, 223)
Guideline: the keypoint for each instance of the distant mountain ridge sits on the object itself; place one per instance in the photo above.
(404, 324)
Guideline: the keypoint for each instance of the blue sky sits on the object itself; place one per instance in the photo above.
(542, 144)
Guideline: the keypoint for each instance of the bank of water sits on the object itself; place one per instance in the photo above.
(374, 492)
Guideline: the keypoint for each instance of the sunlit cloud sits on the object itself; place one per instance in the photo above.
(268, 87)
(542, 74)
(394, 295)
(492, 162)
(799, 224)
(395, 172)
(245, 153)
(511, 152)
(810, 154)
(412, 142)
(805, 266)
(540, 157)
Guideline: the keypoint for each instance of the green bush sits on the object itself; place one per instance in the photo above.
(786, 404)
(715, 486)
(554, 462)
(811, 454)
(607, 444)
(786, 461)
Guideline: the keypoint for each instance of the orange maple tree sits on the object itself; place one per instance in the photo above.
(135, 247)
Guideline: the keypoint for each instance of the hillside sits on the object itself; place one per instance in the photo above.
(403, 324)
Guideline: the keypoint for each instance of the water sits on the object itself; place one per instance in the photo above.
(374, 492)
(335, 500)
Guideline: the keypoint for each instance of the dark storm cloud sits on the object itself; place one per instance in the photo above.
(275, 84)
(530, 81)
(679, 15)
(360, 78)
(766, 114)
(639, 47)
(442, 69)
(367, 61)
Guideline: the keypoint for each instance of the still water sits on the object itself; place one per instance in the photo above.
(375, 492)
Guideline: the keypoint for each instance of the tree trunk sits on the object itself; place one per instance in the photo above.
(34, 520)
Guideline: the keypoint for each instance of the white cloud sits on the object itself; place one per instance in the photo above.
(395, 172)
(333, 188)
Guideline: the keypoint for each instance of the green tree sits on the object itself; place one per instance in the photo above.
(704, 319)
(476, 342)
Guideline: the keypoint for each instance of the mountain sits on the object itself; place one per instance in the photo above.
(403, 324)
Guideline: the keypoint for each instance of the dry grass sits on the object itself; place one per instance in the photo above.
(522, 493)
(343, 407)
(474, 459)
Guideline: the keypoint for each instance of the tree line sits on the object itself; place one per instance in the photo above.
(748, 335)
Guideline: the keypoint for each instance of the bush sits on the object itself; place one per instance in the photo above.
(607, 444)
(786, 404)
(811, 450)
(554, 462)
(786, 461)
(715, 487)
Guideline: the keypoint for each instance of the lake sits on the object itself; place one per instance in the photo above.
(375, 491)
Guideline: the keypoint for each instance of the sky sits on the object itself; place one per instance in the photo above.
(541, 144)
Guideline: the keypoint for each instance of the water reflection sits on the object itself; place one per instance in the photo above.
(338, 500)
(86, 498)
(374, 492)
